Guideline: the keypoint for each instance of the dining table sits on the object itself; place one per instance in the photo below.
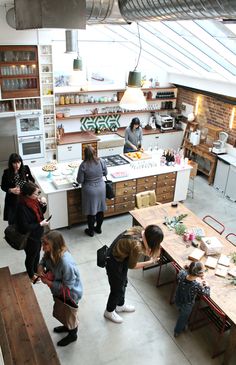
(223, 291)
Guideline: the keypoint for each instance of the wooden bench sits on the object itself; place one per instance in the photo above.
(24, 337)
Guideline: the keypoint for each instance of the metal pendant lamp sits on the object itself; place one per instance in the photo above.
(133, 98)
(77, 64)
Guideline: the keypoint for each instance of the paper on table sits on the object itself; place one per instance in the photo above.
(224, 260)
(211, 262)
(221, 271)
(196, 254)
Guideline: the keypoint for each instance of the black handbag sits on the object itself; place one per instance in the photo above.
(14, 238)
(109, 189)
(102, 256)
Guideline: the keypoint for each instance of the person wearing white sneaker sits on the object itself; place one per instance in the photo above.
(123, 254)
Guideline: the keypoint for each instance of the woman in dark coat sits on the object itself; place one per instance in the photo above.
(29, 218)
(12, 181)
(90, 175)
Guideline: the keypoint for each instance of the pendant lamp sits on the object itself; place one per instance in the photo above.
(133, 98)
(77, 64)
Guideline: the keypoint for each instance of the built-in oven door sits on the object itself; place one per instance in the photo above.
(31, 147)
(29, 124)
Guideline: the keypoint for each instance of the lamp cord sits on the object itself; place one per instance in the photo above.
(140, 47)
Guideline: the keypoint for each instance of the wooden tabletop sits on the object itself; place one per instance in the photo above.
(223, 293)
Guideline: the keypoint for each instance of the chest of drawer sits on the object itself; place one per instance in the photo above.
(165, 198)
(169, 176)
(124, 199)
(125, 190)
(124, 207)
(74, 197)
(163, 183)
(165, 189)
(126, 183)
(146, 180)
(146, 186)
(110, 209)
(110, 201)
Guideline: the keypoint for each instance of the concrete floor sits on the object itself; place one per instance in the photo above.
(146, 336)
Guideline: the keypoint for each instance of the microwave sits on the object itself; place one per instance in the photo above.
(29, 123)
(165, 122)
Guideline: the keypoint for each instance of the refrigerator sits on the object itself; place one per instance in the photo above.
(8, 138)
(222, 171)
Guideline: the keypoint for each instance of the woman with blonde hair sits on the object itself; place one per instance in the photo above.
(59, 271)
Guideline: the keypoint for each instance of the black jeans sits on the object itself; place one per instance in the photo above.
(32, 251)
(117, 277)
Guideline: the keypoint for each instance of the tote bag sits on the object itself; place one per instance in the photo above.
(14, 238)
(65, 313)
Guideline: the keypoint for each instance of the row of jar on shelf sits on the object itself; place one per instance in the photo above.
(83, 98)
(20, 104)
(18, 70)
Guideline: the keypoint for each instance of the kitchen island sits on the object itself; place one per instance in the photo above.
(64, 201)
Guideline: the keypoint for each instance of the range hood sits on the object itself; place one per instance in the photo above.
(75, 14)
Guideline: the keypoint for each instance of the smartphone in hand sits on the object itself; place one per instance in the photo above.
(48, 219)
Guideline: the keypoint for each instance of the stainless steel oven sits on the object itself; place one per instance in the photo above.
(31, 147)
(29, 123)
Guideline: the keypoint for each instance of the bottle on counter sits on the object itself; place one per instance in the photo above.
(67, 100)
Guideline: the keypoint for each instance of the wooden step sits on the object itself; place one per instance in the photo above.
(40, 338)
(15, 329)
(26, 337)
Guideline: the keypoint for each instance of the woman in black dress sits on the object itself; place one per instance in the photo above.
(12, 181)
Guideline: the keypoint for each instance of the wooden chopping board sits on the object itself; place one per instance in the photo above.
(137, 156)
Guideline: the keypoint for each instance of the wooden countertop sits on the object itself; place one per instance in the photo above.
(78, 137)
(81, 137)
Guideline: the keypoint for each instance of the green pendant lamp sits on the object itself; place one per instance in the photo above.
(77, 64)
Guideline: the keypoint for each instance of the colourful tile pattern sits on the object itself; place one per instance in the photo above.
(100, 122)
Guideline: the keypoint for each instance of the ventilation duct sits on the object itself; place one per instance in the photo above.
(151, 10)
(71, 41)
(50, 14)
(74, 14)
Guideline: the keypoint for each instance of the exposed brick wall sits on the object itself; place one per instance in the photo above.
(210, 111)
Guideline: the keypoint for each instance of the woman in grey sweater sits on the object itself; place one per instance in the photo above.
(59, 271)
(90, 175)
(133, 136)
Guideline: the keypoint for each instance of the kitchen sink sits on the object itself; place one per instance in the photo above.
(110, 140)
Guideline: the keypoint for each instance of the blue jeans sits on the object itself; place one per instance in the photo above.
(184, 314)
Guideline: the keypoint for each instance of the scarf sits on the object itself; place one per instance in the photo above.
(34, 206)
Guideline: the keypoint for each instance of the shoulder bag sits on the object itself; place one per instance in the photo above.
(66, 311)
(109, 189)
(14, 238)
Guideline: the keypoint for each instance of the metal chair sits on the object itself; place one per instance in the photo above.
(214, 223)
(231, 237)
(177, 270)
(164, 260)
(207, 312)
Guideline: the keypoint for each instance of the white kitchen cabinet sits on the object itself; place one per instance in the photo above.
(69, 152)
(168, 140)
(110, 151)
(230, 191)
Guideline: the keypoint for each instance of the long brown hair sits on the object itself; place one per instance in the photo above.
(57, 244)
(90, 154)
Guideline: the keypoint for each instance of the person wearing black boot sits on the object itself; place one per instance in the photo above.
(59, 271)
(93, 192)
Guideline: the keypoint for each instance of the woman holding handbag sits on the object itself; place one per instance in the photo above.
(29, 219)
(58, 270)
(90, 175)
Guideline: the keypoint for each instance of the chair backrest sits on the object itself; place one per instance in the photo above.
(214, 223)
(231, 237)
(145, 199)
(193, 172)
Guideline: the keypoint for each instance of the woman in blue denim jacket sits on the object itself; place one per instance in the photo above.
(187, 290)
(58, 270)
